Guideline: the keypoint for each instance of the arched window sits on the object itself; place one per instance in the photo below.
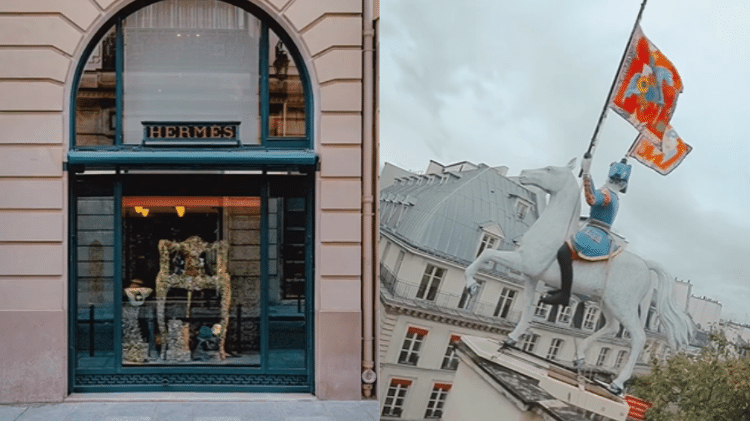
(191, 73)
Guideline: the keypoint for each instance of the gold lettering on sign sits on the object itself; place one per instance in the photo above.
(190, 131)
(200, 131)
(228, 132)
(154, 131)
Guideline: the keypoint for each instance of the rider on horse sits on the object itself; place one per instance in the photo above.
(593, 241)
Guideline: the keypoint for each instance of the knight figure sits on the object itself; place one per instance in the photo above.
(593, 241)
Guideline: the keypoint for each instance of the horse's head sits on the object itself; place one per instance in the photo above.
(550, 179)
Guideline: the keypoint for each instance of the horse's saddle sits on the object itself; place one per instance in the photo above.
(595, 242)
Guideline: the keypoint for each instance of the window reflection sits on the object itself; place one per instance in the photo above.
(287, 100)
(191, 61)
(95, 102)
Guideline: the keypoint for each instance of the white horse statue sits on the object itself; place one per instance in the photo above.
(621, 283)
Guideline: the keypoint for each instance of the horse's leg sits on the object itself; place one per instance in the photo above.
(504, 257)
(631, 322)
(528, 310)
(610, 326)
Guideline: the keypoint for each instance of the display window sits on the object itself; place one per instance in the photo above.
(191, 204)
(211, 275)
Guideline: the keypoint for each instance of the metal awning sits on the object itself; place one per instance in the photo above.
(225, 159)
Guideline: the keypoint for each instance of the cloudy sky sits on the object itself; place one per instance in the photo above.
(522, 84)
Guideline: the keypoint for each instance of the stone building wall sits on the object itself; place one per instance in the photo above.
(41, 42)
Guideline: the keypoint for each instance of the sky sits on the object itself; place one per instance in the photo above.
(522, 84)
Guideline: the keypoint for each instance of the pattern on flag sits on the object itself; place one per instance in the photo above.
(663, 155)
(647, 86)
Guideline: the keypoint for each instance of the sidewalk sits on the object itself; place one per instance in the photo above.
(192, 407)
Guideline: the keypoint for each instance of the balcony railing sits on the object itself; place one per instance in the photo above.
(442, 302)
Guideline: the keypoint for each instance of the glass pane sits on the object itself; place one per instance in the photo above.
(95, 100)
(286, 92)
(191, 61)
(191, 280)
(287, 335)
(95, 251)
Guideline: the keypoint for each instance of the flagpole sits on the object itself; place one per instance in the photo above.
(589, 153)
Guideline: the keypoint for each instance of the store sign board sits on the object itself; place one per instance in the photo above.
(191, 133)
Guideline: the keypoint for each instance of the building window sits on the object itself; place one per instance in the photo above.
(620, 358)
(182, 270)
(504, 303)
(431, 279)
(603, 354)
(522, 207)
(386, 249)
(437, 400)
(393, 404)
(528, 341)
(450, 359)
(233, 66)
(564, 315)
(411, 346)
(190, 280)
(488, 242)
(589, 319)
(542, 310)
(399, 261)
(467, 301)
(554, 348)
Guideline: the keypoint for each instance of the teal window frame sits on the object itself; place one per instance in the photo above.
(286, 154)
(267, 142)
(263, 378)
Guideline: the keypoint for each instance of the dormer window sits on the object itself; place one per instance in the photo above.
(490, 238)
(542, 310)
(590, 318)
(522, 208)
(488, 242)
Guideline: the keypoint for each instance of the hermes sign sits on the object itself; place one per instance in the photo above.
(191, 133)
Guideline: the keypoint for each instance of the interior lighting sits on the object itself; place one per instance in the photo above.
(140, 209)
(180, 211)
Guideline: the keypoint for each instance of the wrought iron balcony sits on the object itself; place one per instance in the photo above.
(442, 302)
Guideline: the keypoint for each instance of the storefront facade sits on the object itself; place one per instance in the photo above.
(187, 197)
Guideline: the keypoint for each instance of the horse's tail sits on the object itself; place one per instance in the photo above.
(676, 324)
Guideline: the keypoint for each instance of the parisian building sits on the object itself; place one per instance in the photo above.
(432, 226)
(187, 197)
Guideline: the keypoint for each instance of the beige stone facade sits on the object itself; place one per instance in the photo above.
(41, 43)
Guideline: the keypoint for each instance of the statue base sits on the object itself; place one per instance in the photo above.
(490, 381)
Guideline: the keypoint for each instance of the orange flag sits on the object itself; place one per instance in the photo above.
(647, 87)
(663, 155)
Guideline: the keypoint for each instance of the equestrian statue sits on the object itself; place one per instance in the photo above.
(620, 280)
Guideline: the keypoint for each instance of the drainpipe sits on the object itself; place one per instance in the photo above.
(368, 251)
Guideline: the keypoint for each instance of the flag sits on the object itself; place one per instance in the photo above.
(637, 407)
(662, 155)
(646, 88)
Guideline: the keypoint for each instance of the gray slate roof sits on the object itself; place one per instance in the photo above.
(444, 212)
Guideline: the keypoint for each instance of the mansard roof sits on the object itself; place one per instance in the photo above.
(445, 211)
